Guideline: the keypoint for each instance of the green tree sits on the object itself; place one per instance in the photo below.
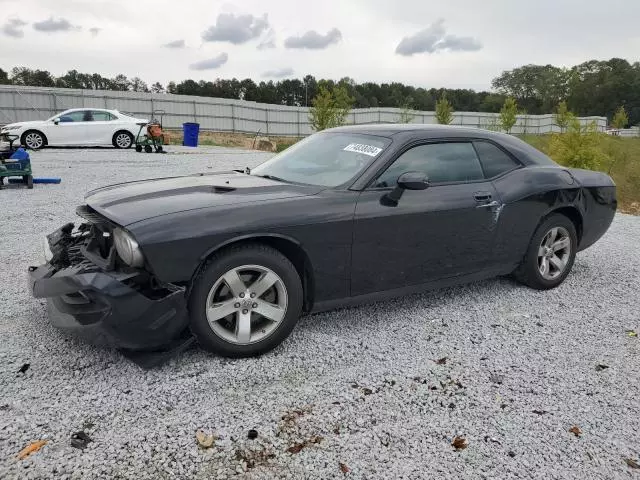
(563, 116)
(406, 114)
(330, 108)
(157, 88)
(620, 119)
(580, 147)
(444, 111)
(508, 114)
(4, 78)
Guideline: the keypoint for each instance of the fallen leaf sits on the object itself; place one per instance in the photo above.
(459, 443)
(441, 361)
(576, 430)
(31, 448)
(632, 333)
(343, 468)
(252, 434)
(495, 378)
(367, 391)
(205, 440)
(487, 438)
(540, 412)
(24, 368)
(503, 406)
(632, 463)
(80, 440)
(452, 405)
(601, 367)
(296, 448)
(511, 453)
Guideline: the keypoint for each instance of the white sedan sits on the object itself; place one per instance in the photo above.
(78, 127)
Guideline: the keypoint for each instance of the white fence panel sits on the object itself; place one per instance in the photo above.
(228, 115)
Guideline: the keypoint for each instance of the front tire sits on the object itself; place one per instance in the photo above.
(122, 139)
(550, 255)
(33, 139)
(246, 301)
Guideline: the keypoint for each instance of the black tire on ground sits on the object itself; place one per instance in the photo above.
(148, 149)
(528, 271)
(28, 179)
(33, 145)
(159, 149)
(138, 148)
(219, 264)
(122, 134)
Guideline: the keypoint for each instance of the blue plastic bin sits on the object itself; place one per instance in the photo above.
(190, 133)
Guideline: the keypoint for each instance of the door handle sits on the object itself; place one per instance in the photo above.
(482, 196)
(489, 205)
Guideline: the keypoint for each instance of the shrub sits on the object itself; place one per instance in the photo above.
(330, 108)
(580, 147)
(444, 111)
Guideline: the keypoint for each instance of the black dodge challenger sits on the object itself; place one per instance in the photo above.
(349, 215)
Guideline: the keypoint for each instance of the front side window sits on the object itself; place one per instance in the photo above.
(494, 161)
(328, 159)
(77, 116)
(441, 162)
(99, 116)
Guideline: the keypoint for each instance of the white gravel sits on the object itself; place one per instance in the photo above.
(364, 379)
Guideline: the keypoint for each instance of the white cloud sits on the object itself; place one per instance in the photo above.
(313, 40)
(278, 73)
(52, 25)
(435, 38)
(211, 63)
(236, 29)
(175, 44)
(14, 27)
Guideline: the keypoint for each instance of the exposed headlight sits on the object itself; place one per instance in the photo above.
(127, 248)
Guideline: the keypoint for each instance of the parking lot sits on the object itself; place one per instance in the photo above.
(374, 392)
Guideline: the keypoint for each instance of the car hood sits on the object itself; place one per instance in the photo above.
(127, 203)
(25, 124)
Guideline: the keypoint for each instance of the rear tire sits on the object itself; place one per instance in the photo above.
(550, 255)
(244, 331)
(28, 179)
(138, 148)
(148, 149)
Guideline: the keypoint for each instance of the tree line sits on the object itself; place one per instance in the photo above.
(594, 87)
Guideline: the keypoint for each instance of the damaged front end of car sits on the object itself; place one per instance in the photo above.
(98, 287)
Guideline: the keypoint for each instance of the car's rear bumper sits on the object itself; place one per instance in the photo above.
(103, 308)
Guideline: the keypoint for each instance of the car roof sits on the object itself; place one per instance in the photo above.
(90, 108)
(417, 131)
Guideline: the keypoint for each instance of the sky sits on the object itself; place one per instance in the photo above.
(453, 44)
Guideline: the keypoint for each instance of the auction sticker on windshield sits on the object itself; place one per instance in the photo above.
(362, 148)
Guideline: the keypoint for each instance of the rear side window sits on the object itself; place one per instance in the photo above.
(99, 116)
(494, 161)
(442, 163)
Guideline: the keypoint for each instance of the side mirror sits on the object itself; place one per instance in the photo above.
(56, 121)
(413, 181)
(406, 181)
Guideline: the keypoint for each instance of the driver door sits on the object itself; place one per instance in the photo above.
(443, 231)
(70, 130)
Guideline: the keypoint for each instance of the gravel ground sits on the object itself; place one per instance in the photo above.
(353, 393)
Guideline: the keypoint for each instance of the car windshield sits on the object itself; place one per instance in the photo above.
(328, 159)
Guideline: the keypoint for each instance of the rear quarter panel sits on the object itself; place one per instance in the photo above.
(529, 194)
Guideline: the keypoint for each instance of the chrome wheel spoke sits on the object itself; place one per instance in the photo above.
(218, 311)
(561, 244)
(557, 262)
(544, 266)
(234, 282)
(264, 283)
(542, 251)
(270, 311)
(243, 326)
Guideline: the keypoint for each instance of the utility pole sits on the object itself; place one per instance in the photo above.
(306, 94)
